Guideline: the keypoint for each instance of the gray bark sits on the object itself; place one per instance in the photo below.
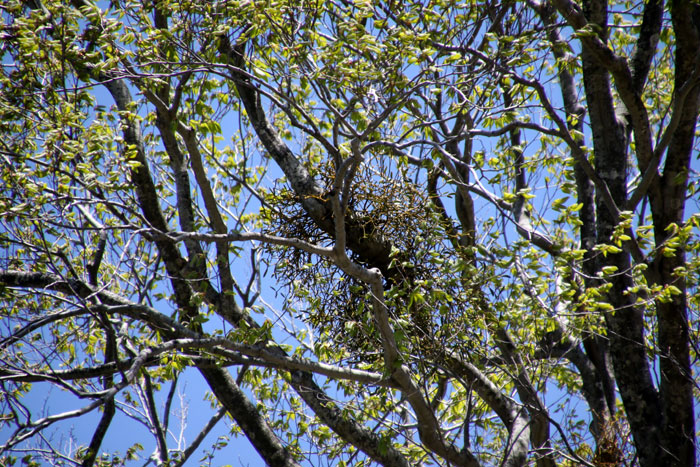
(676, 383)
(626, 323)
(661, 421)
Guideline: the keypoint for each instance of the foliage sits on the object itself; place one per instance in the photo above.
(402, 233)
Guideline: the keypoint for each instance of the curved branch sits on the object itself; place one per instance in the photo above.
(512, 416)
(187, 453)
(39, 323)
(181, 337)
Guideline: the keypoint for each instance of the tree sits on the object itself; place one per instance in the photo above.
(394, 233)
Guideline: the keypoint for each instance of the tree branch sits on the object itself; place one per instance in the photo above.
(187, 453)
(628, 87)
(512, 416)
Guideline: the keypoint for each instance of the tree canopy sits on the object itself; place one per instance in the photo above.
(429, 232)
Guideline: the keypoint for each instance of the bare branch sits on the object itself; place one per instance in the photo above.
(187, 453)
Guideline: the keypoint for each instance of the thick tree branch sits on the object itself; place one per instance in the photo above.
(147, 195)
(676, 382)
(625, 82)
(648, 38)
(100, 432)
(241, 409)
(610, 137)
